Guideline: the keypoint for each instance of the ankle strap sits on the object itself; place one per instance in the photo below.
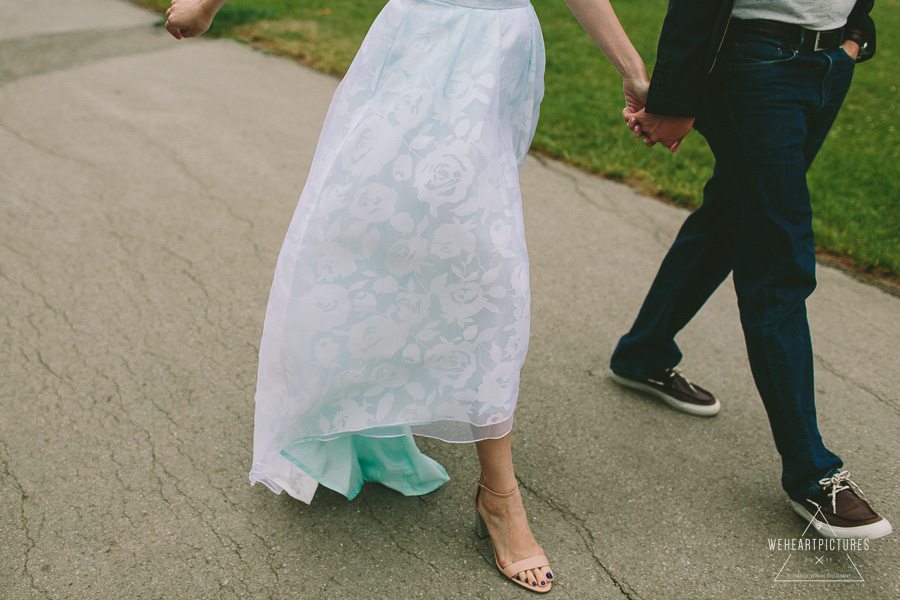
(498, 494)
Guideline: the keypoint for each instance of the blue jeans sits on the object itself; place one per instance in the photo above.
(770, 109)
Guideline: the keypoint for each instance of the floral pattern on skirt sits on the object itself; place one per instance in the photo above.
(400, 301)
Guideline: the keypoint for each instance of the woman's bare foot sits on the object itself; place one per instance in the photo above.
(498, 501)
(510, 534)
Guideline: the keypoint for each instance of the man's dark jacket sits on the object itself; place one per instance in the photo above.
(690, 41)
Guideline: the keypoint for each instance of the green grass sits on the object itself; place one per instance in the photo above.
(855, 181)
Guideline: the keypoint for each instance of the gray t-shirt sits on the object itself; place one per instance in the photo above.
(812, 14)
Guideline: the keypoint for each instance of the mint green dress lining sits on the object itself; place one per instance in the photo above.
(344, 464)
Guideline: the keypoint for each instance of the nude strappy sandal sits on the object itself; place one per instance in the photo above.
(510, 570)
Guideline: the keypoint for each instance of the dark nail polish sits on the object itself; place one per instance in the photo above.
(543, 583)
(534, 583)
(549, 575)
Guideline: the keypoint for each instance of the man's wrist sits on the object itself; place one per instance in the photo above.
(851, 48)
(856, 37)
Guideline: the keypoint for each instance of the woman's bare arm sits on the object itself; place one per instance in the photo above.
(600, 22)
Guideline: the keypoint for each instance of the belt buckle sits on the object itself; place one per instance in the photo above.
(816, 46)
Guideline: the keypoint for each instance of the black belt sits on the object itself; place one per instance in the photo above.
(793, 35)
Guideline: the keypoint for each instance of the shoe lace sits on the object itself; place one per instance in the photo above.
(676, 372)
(836, 483)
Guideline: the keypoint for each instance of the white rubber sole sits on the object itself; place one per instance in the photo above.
(698, 410)
(872, 531)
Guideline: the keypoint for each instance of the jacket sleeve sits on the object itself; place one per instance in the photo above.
(860, 21)
(688, 44)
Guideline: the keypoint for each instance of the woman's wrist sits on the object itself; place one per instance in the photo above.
(634, 70)
(212, 6)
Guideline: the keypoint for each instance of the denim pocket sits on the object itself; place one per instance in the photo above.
(751, 52)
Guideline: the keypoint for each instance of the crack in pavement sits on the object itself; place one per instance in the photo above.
(204, 189)
(4, 462)
(587, 537)
(44, 149)
(393, 539)
(552, 166)
(205, 512)
(847, 379)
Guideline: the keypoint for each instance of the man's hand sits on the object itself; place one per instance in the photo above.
(190, 18)
(851, 48)
(658, 129)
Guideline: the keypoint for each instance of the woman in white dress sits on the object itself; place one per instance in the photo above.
(400, 301)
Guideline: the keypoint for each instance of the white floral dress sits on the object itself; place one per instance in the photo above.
(400, 301)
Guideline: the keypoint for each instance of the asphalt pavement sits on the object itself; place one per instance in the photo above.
(145, 187)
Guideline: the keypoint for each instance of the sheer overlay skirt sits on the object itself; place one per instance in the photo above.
(400, 300)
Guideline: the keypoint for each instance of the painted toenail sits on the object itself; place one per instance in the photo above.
(519, 578)
(549, 575)
(543, 583)
(534, 583)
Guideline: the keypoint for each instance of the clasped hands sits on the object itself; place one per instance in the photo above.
(655, 129)
(658, 129)
(665, 130)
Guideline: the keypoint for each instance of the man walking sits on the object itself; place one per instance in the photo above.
(762, 81)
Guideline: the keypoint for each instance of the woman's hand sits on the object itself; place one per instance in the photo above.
(190, 18)
(636, 92)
